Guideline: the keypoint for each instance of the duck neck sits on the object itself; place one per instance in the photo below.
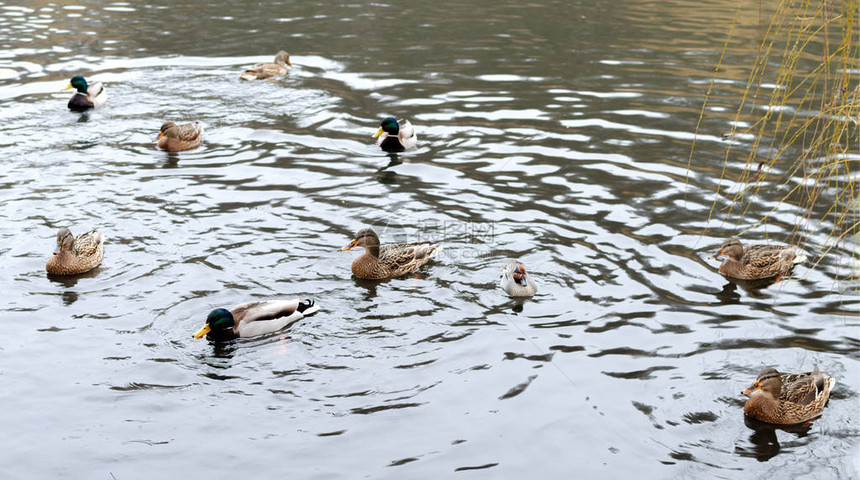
(762, 406)
(730, 265)
(372, 250)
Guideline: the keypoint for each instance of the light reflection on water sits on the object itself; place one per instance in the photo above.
(557, 135)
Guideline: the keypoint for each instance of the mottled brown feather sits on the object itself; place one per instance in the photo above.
(176, 138)
(76, 254)
(266, 70)
(791, 398)
(756, 261)
(392, 260)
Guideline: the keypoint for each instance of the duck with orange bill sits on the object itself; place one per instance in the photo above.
(261, 71)
(788, 399)
(175, 138)
(76, 255)
(755, 262)
(390, 260)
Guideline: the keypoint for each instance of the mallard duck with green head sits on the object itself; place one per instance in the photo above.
(267, 70)
(388, 261)
(395, 136)
(75, 255)
(255, 318)
(175, 138)
(756, 262)
(87, 95)
(788, 399)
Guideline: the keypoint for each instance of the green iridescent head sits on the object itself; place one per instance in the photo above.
(390, 126)
(218, 320)
(79, 84)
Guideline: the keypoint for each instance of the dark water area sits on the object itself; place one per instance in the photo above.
(557, 133)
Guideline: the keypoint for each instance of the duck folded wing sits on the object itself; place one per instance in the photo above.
(803, 388)
(88, 244)
(265, 69)
(260, 318)
(263, 310)
(97, 94)
(405, 253)
(406, 130)
(188, 132)
(96, 89)
(407, 135)
(263, 327)
(424, 250)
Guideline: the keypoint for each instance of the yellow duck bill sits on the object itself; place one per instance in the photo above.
(203, 331)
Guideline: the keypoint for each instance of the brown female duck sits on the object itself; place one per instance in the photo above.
(757, 261)
(266, 70)
(387, 261)
(174, 138)
(76, 255)
(787, 399)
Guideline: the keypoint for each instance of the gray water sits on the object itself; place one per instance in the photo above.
(557, 133)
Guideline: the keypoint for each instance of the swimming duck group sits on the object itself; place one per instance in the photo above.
(782, 399)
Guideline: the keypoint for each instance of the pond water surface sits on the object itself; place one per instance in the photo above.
(557, 133)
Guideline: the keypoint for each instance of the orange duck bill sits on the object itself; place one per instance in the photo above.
(755, 386)
(349, 247)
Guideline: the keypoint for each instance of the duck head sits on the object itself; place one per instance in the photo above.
(78, 83)
(388, 125)
(732, 248)
(218, 320)
(769, 381)
(283, 57)
(164, 128)
(65, 240)
(365, 237)
(517, 272)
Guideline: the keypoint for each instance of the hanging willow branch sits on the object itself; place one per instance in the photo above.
(808, 129)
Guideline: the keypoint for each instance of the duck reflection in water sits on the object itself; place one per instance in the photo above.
(369, 287)
(387, 177)
(70, 296)
(764, 442)
(223, 351)
(393, 161)
(518, 305)
(172, 160)
(70, 281)
(754, 288)
(729, 295)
